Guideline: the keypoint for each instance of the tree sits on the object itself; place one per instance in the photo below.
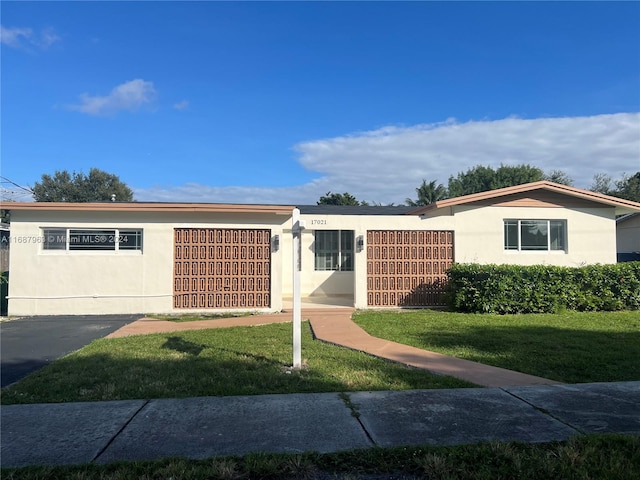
(339, 199)
(602, 183)
(5, 213)
(558, 176)
(476, 179)
(428, 193)
(77, 187)
(508, 176)
(628, 187)
(482, 179)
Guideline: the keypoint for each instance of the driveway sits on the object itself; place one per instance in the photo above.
(30, 343)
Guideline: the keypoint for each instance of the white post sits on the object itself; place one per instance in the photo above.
(297, 303)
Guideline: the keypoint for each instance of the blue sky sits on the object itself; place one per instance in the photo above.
(281, 102)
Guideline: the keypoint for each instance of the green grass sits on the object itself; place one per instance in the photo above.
(605, 457)
(570, 347)
(230, 361)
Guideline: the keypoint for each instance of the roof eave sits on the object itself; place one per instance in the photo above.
(621, 205)
(149, 207)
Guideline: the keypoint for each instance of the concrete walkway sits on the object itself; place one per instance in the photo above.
(198, 428)
(334, 325)
(148, 325)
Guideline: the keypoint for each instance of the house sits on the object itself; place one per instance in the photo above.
(141, 257)
(628, 237)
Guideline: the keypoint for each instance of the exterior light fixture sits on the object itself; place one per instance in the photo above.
(360, 243)
(275, 243)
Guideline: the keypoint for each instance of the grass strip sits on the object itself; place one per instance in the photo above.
(582, 458)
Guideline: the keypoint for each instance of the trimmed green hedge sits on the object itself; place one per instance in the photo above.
(505, 289)
(4, 291)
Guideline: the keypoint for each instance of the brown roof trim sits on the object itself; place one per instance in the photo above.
(149, 207)
(619, 203)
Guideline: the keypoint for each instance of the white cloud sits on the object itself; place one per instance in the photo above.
(387, 164)
(48, 37)
(128, 96)
(14, 37)
(26, 39)
(183, 105)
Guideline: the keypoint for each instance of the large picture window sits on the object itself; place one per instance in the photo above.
(535, 235)
(83, 239)
(334, 250)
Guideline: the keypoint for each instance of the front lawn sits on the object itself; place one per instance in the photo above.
(229, 361)
(572, 347)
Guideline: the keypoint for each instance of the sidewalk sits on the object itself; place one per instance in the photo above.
(105, 432)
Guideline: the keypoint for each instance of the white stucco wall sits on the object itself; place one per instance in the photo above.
(346, 283)
(53, 282)
(72, 282)
(628, 235)
(479, 237)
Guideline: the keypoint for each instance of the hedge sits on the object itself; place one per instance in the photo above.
(4, 291)
(505, 289)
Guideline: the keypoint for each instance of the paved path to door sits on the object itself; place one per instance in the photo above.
(334, 325)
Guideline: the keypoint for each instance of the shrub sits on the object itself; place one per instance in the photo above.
(542, 288)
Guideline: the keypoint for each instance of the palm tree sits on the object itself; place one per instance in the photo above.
(428, 193)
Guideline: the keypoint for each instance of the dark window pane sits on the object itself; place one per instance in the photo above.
(346, 250)
(558, 235)
(347, 262)
(92, 240)
(333, 250)
(346, 239)
(511, 235)
(534, 235)
(130, 239)
(55, 238)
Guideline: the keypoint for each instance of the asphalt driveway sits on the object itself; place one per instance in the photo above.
(29, 343)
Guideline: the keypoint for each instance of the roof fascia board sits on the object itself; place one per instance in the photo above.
(149, 207)
(619, 203)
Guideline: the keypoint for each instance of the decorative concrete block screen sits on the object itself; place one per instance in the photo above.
(407, 268)
(221, 268)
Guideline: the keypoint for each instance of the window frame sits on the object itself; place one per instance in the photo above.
(340, 257)
(513, 233)
(92, 240)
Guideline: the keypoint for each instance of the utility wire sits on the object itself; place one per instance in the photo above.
(11, 182)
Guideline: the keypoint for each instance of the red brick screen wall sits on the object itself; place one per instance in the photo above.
(221, 268)
(407, 268)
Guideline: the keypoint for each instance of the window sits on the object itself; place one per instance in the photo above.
(54, 239)
(81, 239)
(334, 250)
(535, 235)
(92, 239)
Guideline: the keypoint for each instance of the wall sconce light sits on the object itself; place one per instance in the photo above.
(360, 243)
(275, 243)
